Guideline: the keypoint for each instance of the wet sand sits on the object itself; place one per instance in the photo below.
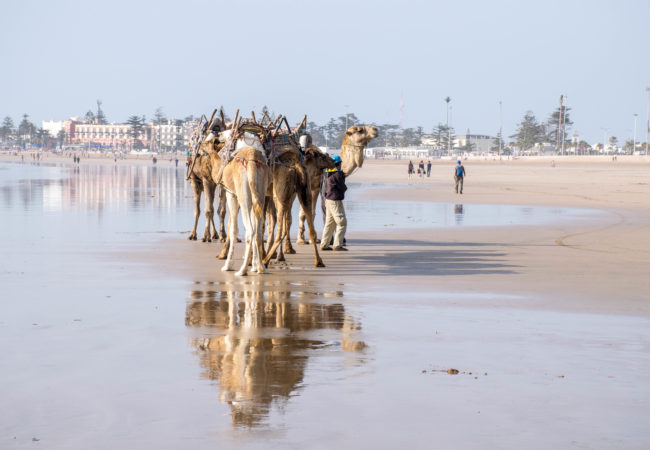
(150, 344)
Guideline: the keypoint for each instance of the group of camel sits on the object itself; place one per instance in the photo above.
(259, 168)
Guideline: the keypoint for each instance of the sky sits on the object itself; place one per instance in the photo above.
(388, 61)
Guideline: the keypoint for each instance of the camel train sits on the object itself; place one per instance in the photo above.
(258, 168)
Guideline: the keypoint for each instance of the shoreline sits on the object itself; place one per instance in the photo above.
(588, 260)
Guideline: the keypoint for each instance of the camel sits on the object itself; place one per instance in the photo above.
(355, 141)
(201, 179)
(246, 178)
(200, 175)
(315, 162)
(290, 179)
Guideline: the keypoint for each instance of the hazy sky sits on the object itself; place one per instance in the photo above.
(314, 57)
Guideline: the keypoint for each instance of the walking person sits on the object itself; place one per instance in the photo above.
(428, 168)
(334, 212)
(410, 169)
(459, 174)
(421, 168)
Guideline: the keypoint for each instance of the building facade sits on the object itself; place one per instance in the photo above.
(114, 136)
(481, 144)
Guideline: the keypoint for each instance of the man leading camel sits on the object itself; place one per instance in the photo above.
(335, 213)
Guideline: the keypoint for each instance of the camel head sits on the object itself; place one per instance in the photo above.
(319, 159)
(355, 141)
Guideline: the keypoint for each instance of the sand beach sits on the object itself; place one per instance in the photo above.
(514, 315)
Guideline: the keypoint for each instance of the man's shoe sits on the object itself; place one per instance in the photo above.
(326, 248)
(340, 249)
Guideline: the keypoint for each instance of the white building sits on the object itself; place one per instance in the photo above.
(420, 152)
(481, 143)
(52, 126)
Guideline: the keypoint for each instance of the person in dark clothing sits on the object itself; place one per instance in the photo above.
(428, 168)
(335, 188)
(410, 169)
(421, 168)
(459, 174)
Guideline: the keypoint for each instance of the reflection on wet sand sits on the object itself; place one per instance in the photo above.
(267, 331)
(98, 186)
(459, 212)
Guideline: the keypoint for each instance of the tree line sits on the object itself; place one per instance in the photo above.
(529, 132)
(555, 129)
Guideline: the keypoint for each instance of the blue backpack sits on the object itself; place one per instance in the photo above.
(459, 171)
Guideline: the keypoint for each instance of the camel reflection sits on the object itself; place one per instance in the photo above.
(267, 333)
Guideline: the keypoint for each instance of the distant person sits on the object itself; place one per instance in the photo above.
(552, 163)
(421, 168)
(459, 174)
(335, 213)
(176, 161)
(428, 168)
(410, 169)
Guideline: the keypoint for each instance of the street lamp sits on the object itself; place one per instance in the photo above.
(563, 125)
(647, 121)
(447, 100)
(634, 137)
(500, 127)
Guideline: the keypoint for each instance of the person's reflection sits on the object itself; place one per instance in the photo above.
(267, 334)
(458, 212)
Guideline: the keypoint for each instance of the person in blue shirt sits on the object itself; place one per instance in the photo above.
(459, 174)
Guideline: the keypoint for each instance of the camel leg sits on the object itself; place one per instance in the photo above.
(278, 238)
(221, 211)
(224, 250)
(248, 257)
(288, 249)
(314, 201)
(214, 235)
(260, 250)
(271, 221)
(209, 212)
(198, 189)
(300, 240)
(246, 218)
(312, 232)
(233, 207)
(258, 243)
(302, 217)
(282, 225)
(235, 229)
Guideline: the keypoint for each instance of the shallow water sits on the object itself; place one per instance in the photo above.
(99, 352)
(113, 200)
